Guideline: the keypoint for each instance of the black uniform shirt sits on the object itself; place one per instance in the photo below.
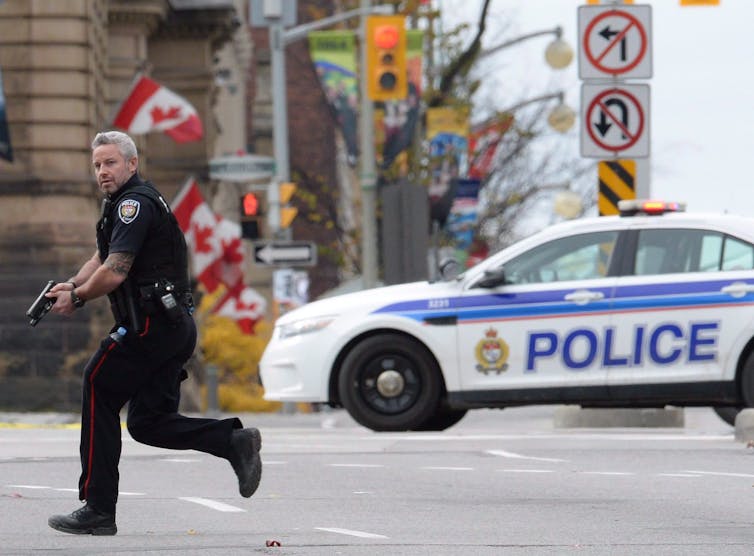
(132, 219)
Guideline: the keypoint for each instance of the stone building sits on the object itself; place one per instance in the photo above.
(66, 65)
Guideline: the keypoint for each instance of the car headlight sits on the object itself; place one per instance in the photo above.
(304, 326)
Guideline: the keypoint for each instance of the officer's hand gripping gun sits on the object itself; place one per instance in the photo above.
(41, 306)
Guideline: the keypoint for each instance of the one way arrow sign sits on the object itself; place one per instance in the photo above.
(291, 253)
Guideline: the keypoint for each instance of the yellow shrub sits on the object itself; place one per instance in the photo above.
(236, 356)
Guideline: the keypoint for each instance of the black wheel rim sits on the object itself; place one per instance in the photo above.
(368, 381)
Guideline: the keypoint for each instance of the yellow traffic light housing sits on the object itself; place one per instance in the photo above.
(387, 77)
(287, 213)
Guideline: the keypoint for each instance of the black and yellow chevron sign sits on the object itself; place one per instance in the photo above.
(617, 182)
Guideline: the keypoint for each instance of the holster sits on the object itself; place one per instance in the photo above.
(126, 307)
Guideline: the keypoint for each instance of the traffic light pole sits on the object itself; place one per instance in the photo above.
(368, 176)
(279, 38)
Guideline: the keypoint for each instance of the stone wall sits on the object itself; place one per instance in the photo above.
(66, 65)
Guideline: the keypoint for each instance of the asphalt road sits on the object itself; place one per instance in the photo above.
(499, 482)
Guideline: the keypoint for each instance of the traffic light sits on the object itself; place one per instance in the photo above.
(251, 210)
(386, 57)
(287, 213)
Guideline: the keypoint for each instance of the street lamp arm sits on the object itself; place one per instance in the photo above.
(541, 98)
(301, 31)
(557, 31)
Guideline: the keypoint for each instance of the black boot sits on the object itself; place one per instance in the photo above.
(243, 455)
(85, 521)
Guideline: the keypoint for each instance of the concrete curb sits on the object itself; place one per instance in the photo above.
(573, 416)
(744, 426)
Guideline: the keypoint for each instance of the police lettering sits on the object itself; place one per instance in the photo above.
(664, 344)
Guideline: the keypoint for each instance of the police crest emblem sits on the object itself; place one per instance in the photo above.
(491, 353)
(128, 211)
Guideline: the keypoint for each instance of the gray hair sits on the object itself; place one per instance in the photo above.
(125, 144)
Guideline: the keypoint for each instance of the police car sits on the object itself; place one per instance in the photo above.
(650, 308)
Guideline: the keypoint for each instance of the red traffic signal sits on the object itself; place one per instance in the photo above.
(249, 205)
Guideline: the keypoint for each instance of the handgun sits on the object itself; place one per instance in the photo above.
(41, 306)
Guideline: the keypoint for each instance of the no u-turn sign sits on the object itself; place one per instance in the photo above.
(615, 121)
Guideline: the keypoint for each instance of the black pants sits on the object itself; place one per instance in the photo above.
(145, 370)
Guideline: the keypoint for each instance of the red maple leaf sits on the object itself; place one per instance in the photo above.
(201, 238)
(231, 251)
(159, 115)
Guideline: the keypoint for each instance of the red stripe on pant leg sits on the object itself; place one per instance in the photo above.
(91, 419)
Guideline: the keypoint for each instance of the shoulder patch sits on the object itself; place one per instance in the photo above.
(128, 210)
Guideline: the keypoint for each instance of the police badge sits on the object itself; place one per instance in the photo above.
(491, 353)
(128, 210)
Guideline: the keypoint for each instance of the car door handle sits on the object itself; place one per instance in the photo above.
(738, 289)
(582, 297)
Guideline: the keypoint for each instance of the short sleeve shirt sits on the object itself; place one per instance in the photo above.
(133, 219)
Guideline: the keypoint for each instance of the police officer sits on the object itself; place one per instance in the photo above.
(141, 265)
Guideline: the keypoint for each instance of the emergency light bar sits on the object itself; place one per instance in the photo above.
(631, 207)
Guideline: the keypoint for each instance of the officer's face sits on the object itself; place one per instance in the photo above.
(111, 169)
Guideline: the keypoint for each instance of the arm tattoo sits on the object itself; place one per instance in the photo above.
(120, 263)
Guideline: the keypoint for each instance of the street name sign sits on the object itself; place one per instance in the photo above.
(616, 120)
(285, 253)
(615, 41)
(243, 168)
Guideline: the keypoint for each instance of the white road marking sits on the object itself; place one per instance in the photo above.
(677, 475)
(720, 474)
(352, 533)
(355, 465)
(438, 468)
(526, 470)
(504, 454)
(363, 492)
(181, 460)
(42, 487)
(219, 506)
(660, 437)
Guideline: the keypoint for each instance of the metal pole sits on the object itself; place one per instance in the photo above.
(279, 124)
(368, 176)
(213, 407)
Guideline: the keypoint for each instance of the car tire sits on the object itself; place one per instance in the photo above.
(443, 419)
(389, 382)
(727, 414)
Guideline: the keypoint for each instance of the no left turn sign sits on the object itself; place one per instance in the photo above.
(615, 42)
(616, 121)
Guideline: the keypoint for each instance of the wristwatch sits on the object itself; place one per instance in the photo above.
(76, 300)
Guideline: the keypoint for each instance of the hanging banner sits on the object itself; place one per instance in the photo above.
(447, 133)
(463, 213)
(6, 151)
(400, 117)
(334, 57)
(483, 143)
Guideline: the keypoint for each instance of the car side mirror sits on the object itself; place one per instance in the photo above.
(449, 269)
(492, 278)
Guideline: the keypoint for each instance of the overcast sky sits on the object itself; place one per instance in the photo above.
(701, 115)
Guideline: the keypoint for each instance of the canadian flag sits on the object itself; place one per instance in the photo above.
(245, 306)
(150, 106)
(214, 242)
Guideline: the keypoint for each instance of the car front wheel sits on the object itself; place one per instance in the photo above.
(390, 382)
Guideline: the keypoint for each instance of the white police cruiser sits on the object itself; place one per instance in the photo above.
(654, 307)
